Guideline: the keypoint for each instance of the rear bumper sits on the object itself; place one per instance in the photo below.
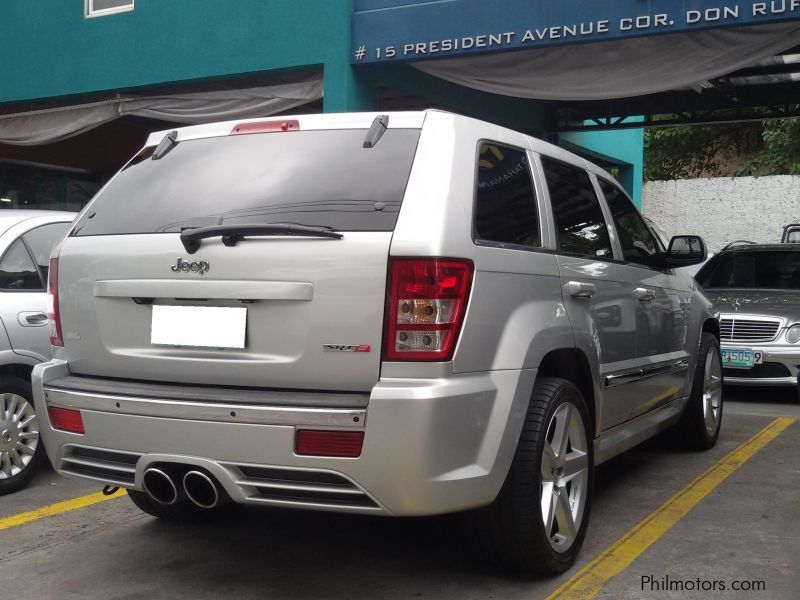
(431, 446)
(783, 361)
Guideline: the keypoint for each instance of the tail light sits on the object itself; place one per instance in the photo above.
(426, 304)
(54, 316)
(341, 444)
(66, 419)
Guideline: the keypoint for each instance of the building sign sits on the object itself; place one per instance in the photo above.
(405, 30)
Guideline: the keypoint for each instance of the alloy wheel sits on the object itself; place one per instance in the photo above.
(712, 392)
(564, 477)
(19, 434)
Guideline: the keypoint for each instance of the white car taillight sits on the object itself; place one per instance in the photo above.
(426, 303)
(54, 315)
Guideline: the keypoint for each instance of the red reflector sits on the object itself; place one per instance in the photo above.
(266, 127)
(65, 419)
(345, 444)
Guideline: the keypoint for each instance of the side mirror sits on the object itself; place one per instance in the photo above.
(685, 251)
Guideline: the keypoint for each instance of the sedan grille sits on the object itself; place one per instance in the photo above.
(737, 329)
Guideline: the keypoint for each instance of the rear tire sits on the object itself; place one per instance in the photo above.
(701, 422)
(183, 511)
(538, 522)
(21, 447)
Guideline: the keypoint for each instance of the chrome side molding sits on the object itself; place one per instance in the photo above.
(638, 374)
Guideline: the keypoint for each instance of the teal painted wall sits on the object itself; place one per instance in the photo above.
(49, 49)
(624, 149)
(524, 115)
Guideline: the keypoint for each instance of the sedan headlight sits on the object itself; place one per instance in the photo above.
(793, 334)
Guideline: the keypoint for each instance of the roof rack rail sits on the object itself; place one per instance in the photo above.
(738, 242)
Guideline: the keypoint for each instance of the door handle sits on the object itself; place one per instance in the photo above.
(32, 319)
(579, 289)
(644, 294)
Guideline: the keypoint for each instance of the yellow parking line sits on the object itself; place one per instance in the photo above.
(590, 580)
(57, 509)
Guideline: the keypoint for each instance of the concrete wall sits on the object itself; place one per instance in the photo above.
(725, 209)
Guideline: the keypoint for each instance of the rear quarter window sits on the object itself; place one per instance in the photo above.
(318, 178)
(505, 201)
(17, 270)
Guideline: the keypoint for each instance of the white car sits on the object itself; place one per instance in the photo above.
(26, 239)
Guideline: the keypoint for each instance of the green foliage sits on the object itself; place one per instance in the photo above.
(780, 154)
(687, 151)
(757, 148)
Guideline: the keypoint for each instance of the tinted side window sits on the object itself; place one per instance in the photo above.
(41, 241)
(17, 271)
(638, 245)
(766, 270)
(505, 206)
(580, 226)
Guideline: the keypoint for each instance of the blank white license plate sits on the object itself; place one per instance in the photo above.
(199, 326)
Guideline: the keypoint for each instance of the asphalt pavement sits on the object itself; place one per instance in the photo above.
(746, 531)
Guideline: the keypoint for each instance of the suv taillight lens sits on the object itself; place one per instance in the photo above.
(54, 315)
(425, 307)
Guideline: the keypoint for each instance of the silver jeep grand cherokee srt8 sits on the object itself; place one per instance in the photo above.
(404, 314)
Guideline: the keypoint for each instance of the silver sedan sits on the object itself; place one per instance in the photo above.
(756, 290)
(26, 239)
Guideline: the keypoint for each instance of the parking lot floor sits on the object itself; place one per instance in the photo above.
(746, 529)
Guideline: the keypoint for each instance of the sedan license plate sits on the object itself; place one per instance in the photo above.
(739, 358)
(199, 326)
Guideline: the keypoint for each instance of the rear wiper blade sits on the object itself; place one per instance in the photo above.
(232, 234)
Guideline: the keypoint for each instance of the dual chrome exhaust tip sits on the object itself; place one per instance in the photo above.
(196, 486)
(201, 489)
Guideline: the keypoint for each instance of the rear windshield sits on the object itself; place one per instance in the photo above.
(318, 178)
(779, 270)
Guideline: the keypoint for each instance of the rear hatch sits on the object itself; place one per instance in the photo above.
(303, 311)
